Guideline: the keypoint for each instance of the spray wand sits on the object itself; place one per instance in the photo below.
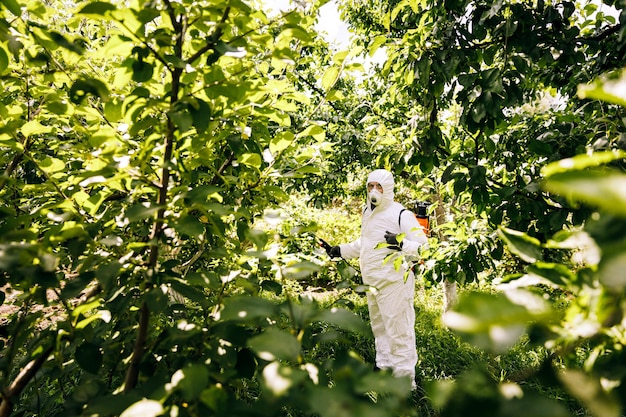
(326, 246)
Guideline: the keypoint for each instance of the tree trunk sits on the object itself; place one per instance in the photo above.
(449, 294)
(449, 286)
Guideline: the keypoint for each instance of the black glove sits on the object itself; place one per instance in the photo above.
(334, 251)
(392, 240)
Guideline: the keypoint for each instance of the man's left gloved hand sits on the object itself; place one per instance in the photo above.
(392, 240)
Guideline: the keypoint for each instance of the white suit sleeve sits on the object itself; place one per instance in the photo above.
(415, 236)
(351, 250)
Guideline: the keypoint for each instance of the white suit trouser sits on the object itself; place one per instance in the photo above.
(392, 317)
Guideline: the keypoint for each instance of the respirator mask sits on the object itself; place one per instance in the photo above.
(375, 197)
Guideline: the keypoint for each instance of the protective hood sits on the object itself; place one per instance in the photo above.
(384, 178)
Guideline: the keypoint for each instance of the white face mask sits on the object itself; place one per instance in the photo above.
(376, 197)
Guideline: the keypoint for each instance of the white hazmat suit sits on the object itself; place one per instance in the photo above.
(390, 301)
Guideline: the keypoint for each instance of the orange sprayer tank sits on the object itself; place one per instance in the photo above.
(422, 216)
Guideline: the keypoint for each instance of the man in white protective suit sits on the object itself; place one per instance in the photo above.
(387, 228)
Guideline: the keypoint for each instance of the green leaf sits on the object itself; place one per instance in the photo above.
(275, 115)
(190, 292)
(526, 247)
(531, 404)
(201, 194)
(296, 32)
(13, 6)
(300, 270)
(478, 112)
(589, 391)
(147, 14)
(144, 408)
(396, 10)
(56, 105)
(189, 226)
(99, 8)
(63, 42)
(245, 308)
(273, 286)
(51, 165)
(251, 159)
(190, 381)
(201, 115)
(257, 236)
(281, 141)
(142, 71)
(277, 192)
(603, 189)
(382, 383)
(228, 50)
(182, 119)
(89, 357)
(309, 169)
(346, 271)
(275, 344)
(344, 319)
(140, 212)
(460, 184)
(86, 86)
(330, 77)
(278, 378)
(4, 60)
(540, 148)
(103, 315)
(315, 131)
(610, 88)
(340, 56)
(556, 273)
(215, 397)
(376, 44)
(612, 266)
(581, 162)
(107, 274)
(32, 128)
(156, 300)
(488, 321)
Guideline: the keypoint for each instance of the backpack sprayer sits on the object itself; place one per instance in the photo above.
(421, 213)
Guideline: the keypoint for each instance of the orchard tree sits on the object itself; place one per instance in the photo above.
(141, 142)
(478, 96)
(492, 100)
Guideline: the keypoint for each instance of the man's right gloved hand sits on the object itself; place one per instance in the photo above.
(334, 251)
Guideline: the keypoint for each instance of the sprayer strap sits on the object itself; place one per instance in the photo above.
(400, 216)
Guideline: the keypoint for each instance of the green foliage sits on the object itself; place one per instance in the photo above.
(585, 339)
(478, 96)
(486, 98)
(147, 149)
(141, 143)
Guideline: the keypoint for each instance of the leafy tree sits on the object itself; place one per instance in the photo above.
(141, 142)
(490, 67)
(479, 96)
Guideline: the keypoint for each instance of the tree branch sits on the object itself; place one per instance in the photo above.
(20, 382)
(212, 39)
(12, 166)
(132, 375)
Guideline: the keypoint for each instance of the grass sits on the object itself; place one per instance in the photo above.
(442, 355)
